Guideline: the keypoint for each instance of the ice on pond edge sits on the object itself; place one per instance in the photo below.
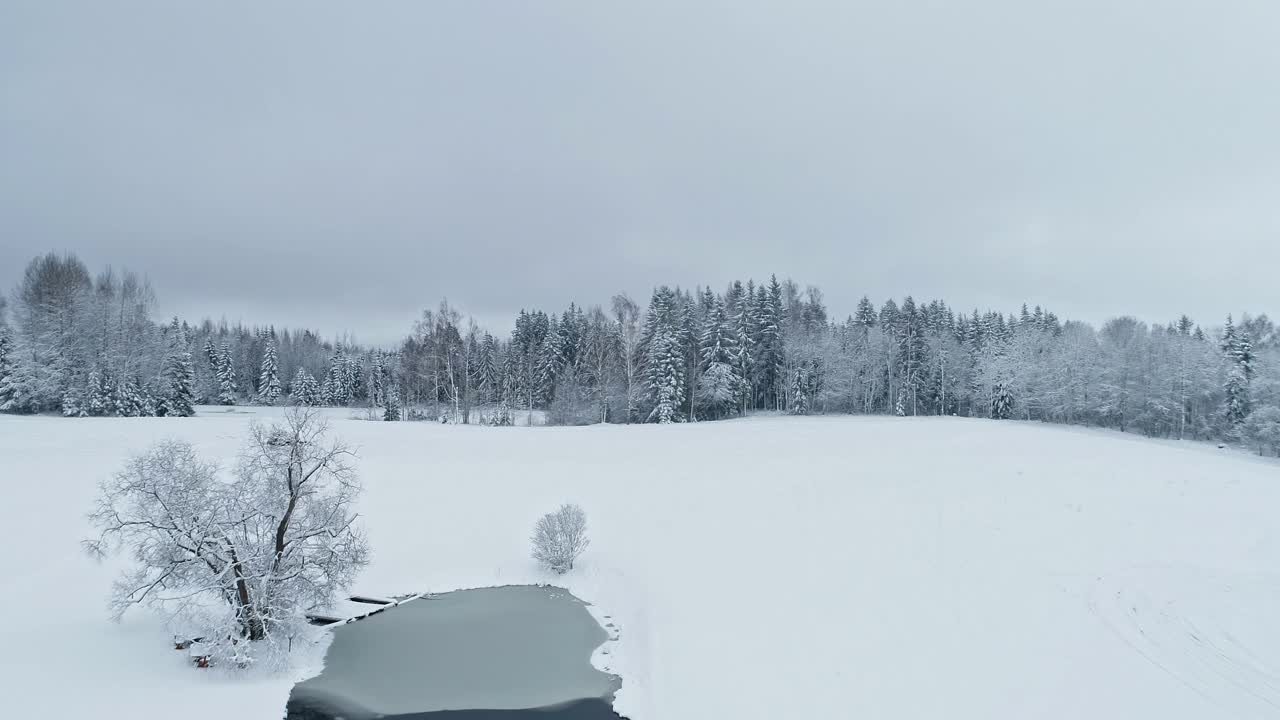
(489, 652)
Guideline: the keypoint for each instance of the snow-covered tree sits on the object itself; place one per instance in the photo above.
(269, 377)
(178, 399)
(720, 384)
(1262, 428)
(240, 560)
(664, 357)
(304, 390)
(7, 379)
(626, 316)
(125, 400)
(391, 410)
(225, 374)
(336, 389)
(1001, 402)
(799, 392)
(99, 399)
(1237, 348)
(560, 537)
(74, 402)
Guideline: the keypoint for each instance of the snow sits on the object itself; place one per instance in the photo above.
(761, 568)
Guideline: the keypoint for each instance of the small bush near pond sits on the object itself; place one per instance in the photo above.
(560, 537)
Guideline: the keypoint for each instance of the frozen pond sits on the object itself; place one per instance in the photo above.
(502, 652)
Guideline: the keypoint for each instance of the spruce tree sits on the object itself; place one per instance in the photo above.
(226, 376)
(209, 380)
(799, 392)
(179, 398)
(121, 400)
(304, 390)
(74, 402)
(487, 370)
(744, 339)
(7, 390)
(269, 378)
(1002, 402)
(770, 354)
(865, 315)
(664, 358)
(547, 363)
(376, 383)
(391, 411)
(176, 397)
(148, 405)
(351, 375)
(99, 402)
(1237, 348)
(335, 390)
(718, 352)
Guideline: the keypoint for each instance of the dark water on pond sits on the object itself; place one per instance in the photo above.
(508, 652)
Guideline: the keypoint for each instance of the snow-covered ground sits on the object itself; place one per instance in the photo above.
(762, 568)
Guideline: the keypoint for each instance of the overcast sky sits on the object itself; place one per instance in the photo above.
(344, 166)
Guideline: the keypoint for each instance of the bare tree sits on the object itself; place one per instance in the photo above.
(627, 315)
(245, 560)
(560, 537)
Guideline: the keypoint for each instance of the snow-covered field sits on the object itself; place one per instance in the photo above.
(762, 568)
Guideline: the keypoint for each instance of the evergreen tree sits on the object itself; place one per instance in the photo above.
(7, 389)
(1237, 348)
(865, 316)
(178, 399)
(209, 386)
(269, 378)
(744, 339)
(547, 363)
(911, 349)
(664, 358)
(799, 392)
(770, 354)
(487, 375)
(377, 380)
(336, 390)
(148, 405)
(123, 400)
(226, 376)
(74, 402)
(99, 394)
(718, 351)
(391, 411)
(351, 374)
(304, 390)
(1002, 402)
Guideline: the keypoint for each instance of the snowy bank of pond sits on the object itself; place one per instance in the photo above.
(502, 652)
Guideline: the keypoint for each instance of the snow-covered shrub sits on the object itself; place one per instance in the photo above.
(237, 561)
(560, 537)
(502, 417)
(1262, 428)
(572, 403)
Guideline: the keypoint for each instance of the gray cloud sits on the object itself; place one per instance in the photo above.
(342, 167)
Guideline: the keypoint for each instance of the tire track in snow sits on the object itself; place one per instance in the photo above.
(1189, 624)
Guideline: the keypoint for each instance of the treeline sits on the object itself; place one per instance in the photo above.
(704, 355)
(87, 346)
